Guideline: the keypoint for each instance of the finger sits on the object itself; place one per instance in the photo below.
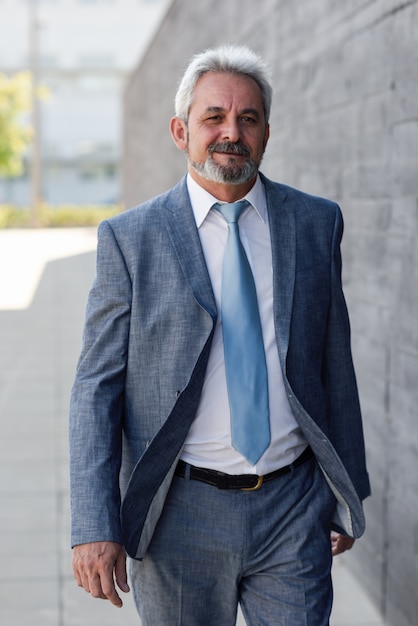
(77, 576)
(109, 590)
(334, 539)
(120, 573)
(95, 586)
(80, 575)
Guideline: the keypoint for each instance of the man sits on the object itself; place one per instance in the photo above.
(214, 512)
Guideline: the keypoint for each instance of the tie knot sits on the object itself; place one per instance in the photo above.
(232, 211)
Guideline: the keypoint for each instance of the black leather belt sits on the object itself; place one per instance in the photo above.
(246, 482)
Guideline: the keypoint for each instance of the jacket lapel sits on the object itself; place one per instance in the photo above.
(184, 236)
(283, 246)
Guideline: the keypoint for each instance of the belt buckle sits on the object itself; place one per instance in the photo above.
(256, 487)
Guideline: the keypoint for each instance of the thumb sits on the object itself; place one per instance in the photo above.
(120, 573)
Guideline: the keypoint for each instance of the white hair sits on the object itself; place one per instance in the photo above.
(230, 59)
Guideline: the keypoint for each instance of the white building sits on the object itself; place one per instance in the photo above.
(86, 50)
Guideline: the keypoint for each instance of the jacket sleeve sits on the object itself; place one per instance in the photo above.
(97, 399)
(343, 407)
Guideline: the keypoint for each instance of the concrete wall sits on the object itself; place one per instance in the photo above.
(344, 125)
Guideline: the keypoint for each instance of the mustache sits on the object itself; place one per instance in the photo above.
(230, 147)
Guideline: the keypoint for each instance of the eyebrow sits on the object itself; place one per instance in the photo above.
(214, 109)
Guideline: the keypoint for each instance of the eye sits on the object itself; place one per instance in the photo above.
(247, 119)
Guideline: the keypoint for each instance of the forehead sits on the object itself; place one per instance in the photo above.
(226, 91)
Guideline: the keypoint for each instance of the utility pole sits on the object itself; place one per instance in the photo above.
(35, 161)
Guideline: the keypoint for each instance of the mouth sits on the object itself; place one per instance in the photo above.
(229, 158)
(230, 154)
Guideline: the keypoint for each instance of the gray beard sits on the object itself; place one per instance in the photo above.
(231, 174)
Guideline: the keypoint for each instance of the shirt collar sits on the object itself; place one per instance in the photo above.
(202, 201)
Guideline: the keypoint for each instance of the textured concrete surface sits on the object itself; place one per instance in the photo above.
(344, 125)
(41, 318)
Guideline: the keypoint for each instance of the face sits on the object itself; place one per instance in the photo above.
(226, 133)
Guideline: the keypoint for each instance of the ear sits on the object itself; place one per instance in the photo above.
(266, 135)
(178, 132)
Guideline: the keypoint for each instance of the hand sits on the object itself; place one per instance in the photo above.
(97, 566)
(340, 543)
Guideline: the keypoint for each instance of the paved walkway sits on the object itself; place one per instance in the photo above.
(44, 280)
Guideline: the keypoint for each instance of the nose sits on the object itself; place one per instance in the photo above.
(230, 131)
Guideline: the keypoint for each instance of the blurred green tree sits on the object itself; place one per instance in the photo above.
(15, 132)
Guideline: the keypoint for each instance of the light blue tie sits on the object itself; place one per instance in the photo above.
(245, 361)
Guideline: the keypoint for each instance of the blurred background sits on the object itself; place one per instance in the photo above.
(96, 96)
(80, 52)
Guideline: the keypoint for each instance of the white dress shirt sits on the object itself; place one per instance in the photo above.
(208, 443)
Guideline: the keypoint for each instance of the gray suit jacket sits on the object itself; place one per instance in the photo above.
(149, 325)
